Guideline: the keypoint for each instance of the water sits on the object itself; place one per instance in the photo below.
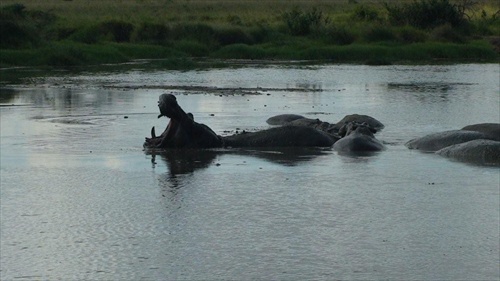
(81, 200)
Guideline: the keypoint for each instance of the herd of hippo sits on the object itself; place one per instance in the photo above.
(354, 134)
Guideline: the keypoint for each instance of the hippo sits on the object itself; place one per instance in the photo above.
(283, 119)
(358, 138)
(183, 132)
(359, 118)
(299, 120)
(477, 143)
(491, 129)
(437, 141)
(480, 151)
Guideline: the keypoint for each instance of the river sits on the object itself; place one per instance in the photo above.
(81, 200)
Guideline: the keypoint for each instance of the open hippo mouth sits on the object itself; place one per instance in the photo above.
(182, 131)
(167, 104)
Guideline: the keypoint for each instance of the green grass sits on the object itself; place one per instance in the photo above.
(79, 32)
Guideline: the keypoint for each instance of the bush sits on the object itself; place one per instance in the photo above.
(200, 32)
(16, 35)
(152, 33)
(260, 33)
(22, 28)
(233, 35)
(115, 31)
(446, 33)
(488, 24)
(339, 35)
(409, 34)
(300, 23)
(119, 31)
(192, 48)
(379, 33)
(365, 13)
(426, 13)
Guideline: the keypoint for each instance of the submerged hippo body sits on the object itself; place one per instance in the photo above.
(183, 132)
(437, 141)
(359, 118)
(299, 120)
(286, 136)
(486, 152)
(491, 129)
(358, 138)
(477, 143)
(283, 119)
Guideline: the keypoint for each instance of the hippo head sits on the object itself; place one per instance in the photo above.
(182, 131)
(360, 128)
(168, 106)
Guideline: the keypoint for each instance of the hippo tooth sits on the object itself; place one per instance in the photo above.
(153, 134)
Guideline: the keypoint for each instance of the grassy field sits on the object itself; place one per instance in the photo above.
(81, 32)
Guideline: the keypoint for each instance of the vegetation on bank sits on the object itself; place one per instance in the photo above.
(178, 32)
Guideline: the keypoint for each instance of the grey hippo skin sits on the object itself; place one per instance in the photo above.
(491, 129)
(298, 120)
(358, 138)
(478, 143)
(372, 122)
(485, 152)
(183, 132)
(283, 119)
(437, 141)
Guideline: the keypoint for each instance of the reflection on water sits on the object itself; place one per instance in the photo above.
(81, 200)
(184, 161)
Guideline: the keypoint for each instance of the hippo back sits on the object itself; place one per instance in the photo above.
(437, 141)
(358, 118)
(485, 152)
(491, 129)
(285, 136)
(283, 119)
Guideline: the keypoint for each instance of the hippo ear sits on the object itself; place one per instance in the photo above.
(190, 115)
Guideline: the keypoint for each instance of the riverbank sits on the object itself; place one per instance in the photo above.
(180, 33)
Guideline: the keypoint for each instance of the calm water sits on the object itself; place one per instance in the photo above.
(80, 200)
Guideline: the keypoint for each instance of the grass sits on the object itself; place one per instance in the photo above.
(82, 32)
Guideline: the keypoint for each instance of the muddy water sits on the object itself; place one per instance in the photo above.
(80, 200)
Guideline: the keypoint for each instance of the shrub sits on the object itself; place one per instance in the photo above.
(232, 35)
(365, 13)
(192, 48)
(300, 23)
(409, 34)
(113, 30)
(339, 35)
(119, 31)
(426, 13)
(200, 32)
(488, 24)
(379, 33)
(22, 28)
(151, 33)
(260, 33)
(88, 34)
(16, 35)
(446, 33)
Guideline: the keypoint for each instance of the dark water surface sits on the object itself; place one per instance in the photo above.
(81, 200)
